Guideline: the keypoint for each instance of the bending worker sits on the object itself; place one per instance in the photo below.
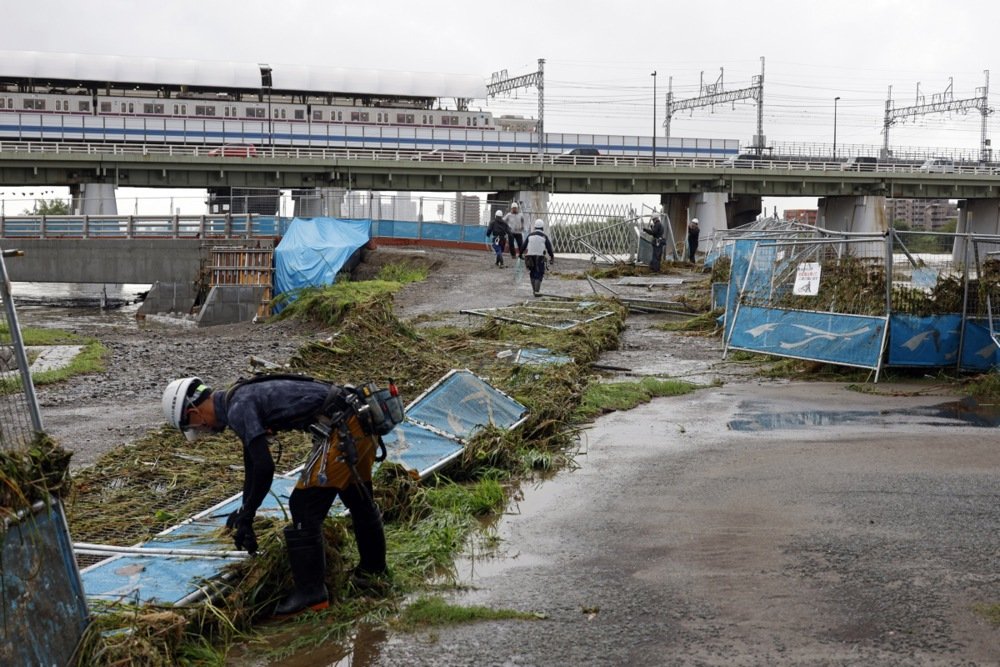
(268, 404)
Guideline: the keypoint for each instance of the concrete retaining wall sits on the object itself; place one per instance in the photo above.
(231, 303)
(168, 297)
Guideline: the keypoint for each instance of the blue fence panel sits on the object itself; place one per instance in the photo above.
(441, 231)
(924, 341)
(397, 229)
(742, 250)
(45, 611)
(852, 340)
(979, 351)
(462, 402)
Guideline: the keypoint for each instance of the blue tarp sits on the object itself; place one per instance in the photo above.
(313, 250)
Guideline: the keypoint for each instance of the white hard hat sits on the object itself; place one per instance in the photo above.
(179, 396)
(499, 214)
(694, 220)
(514, 205)
(539, 224)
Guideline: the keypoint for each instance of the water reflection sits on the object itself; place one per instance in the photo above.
(965, 412)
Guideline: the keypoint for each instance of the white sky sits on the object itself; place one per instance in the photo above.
(599, 55)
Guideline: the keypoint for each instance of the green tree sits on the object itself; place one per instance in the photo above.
(49, 207)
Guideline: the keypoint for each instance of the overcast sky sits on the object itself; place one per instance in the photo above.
(599, 55)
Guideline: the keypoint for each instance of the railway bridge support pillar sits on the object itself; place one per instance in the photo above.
(318, 202)
(857, 215)
(976, 216)
(93, 199)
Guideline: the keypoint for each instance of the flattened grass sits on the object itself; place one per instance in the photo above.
(606, 397)
(430, 612)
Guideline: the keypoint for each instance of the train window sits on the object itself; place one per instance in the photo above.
(300, 114)
(340, 115)
(282, 113)
(84, 105)
(199, 110)
(400, 118)
(3, 102)
(105, 107)
(37, 105)
(473, 121)
(152, 108)
(317, 115)
(275, 113)
(446, 120)
(147, 108)
(176, 109)
(131, 107)
(58, 105)
(409, 118)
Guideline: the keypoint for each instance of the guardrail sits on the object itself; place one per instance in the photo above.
(796, 163)
(226, 226)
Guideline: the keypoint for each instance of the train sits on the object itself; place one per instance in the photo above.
(41, 101)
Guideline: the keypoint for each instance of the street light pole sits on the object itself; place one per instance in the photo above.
(835, 100)
(654, 116)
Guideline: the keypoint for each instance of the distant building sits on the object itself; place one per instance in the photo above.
(926, 214)
(806, 216)
(467, 209)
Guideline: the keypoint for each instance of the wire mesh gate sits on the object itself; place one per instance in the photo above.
(44, 611)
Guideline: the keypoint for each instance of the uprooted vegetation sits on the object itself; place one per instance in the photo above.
(139, 490)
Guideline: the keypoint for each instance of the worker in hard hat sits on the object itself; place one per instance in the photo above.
(518, 226)
(535, 248)
(694, 231)
(255, 408)
(498, 231)
(655, 231)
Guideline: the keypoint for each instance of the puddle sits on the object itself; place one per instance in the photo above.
(361, 649)
(966, 412)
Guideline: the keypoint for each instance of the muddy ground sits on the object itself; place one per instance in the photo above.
(752, 522)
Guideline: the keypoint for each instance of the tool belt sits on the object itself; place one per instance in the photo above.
(335, 451)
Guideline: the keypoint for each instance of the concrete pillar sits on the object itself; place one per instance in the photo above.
(742, 209)
(318, 202)
(534, 205)
(856, 215)
(977, 216)
(709, 207)
(96, 199)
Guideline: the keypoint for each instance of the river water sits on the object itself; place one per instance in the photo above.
(66, 305)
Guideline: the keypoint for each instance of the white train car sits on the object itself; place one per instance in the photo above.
(152, 101)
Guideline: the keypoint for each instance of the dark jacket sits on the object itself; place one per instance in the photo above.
(498, 227)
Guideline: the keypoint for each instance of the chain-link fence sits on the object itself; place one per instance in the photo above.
(19, 416)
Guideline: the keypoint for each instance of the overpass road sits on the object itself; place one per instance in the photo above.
(171, 166)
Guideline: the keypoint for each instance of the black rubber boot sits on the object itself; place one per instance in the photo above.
(536, 286)
(308, 564)
(370, 536)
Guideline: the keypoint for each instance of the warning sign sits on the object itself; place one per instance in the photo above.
(807, 279)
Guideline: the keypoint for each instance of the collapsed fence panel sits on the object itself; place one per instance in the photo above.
(44, 611)
(774, 283)
(183, 564)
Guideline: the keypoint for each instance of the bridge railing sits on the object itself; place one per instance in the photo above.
(792, 157)
(226, 226)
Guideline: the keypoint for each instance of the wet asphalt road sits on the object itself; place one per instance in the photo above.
(831, 528)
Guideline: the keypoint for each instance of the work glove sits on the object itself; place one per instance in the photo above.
(233, 519)
(245, 538)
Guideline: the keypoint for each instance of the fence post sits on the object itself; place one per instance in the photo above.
(888, 271)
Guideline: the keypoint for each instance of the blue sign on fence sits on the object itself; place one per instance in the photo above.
(852, 340)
